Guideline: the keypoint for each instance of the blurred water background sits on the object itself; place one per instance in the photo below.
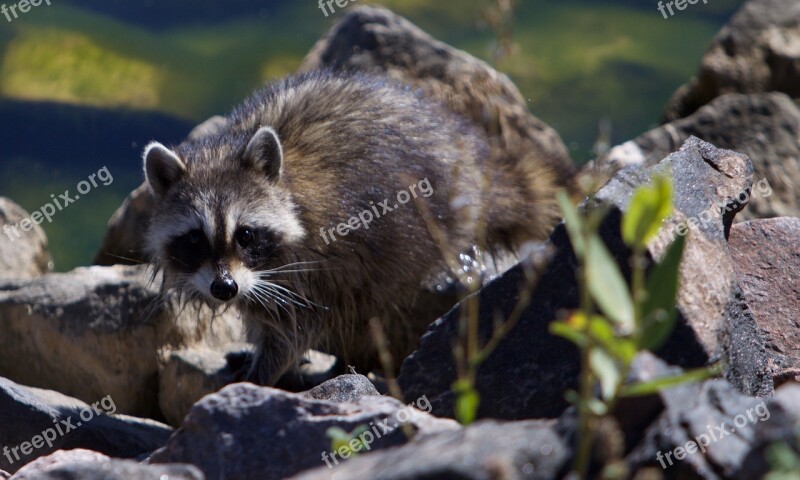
(87, 83)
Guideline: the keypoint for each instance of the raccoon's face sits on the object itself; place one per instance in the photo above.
(223, 220)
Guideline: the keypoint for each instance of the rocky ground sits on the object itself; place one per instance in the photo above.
(100, 381)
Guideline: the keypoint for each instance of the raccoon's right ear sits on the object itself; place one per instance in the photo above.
(265, 153)
(162, 168)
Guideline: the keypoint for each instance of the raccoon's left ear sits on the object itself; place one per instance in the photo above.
(265, 153)
(162, 168)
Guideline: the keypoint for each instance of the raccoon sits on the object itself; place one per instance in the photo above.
(268, 213)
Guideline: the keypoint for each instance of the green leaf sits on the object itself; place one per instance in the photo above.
(467, 402)
(658, 310)
(607, 371)
(573, 223)
(655, 386)
(571, 330)
(607, 286)
(649, 207)
(602, 332)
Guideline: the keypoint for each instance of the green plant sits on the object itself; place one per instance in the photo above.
(342, 440)
(616, 321)
(784, 461)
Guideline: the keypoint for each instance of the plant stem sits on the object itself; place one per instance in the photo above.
(584, 449)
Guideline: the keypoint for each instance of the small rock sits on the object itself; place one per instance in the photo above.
(343, 389)
(88, 465)
(22, 254)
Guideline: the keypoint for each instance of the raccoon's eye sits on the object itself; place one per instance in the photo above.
(245, 237)
(194, 237)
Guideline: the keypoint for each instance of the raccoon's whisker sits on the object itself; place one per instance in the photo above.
(272, 296)
(293, 264)
(291, 296)
(281, 300)
(179, 261)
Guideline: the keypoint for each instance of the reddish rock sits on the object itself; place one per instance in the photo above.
(766, 256)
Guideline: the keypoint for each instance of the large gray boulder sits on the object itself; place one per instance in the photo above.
(100, 331)
(244, 431)
(757, 51)
(23, 243)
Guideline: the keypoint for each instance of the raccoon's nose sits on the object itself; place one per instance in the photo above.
(224, 289)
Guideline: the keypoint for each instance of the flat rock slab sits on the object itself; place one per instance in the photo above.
(486, 450)
(88, 465)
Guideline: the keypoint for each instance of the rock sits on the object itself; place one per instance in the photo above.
(191, 374)
(58, 459)
(376, 41)
(343, 389)
(758, 51)
(528, 373)
(765, 127)
(314, 369)
(37, 422)
(784, 413)
(123, 243)
(88, 465)
(485, 450)
(99, 331)
(188, 376)
(711, 413)
(766, 257)
(22, 254)
(287, 431)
